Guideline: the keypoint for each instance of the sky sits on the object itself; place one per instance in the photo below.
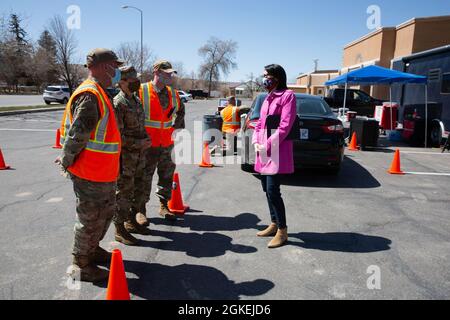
(291, 33)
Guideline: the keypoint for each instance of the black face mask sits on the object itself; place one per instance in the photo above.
(134, 86)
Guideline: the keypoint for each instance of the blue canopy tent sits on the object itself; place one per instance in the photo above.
(373, 75)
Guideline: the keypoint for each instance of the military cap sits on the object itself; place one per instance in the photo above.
(164, 65)
(101, 55)
(129, 72)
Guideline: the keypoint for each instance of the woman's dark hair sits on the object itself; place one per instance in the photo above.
(278, 72)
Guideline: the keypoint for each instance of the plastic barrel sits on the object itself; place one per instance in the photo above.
(212, 128)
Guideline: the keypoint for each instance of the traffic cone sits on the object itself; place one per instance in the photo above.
(176, 202)
(395, 167)
(3, 166)
(206, 159)
(117, 283)
(354, 143)
(58, 139)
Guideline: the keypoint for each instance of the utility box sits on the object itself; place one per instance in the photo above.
(367, 132)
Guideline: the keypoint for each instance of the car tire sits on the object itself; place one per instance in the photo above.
(436, 136)
(64, 101)
(47, 102)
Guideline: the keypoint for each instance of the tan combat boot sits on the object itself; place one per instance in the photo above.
(165, 212)
(142, 219)
(270, 231)
(279, 240)
(134, 227)
(123, 236)
(87, 271)
(101, 256)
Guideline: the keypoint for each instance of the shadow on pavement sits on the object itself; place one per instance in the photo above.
(214, 223)
(196, 245)
(341, 242)
(352, 175)
(189, 282)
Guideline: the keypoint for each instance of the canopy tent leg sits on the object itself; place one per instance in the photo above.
(426, 116)
(345, 99)
(390, 102)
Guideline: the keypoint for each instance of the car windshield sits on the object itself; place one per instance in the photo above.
(53, 89)
(305, 106)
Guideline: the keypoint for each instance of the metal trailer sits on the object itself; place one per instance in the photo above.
(434, 64)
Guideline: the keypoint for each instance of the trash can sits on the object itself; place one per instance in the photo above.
(367, 132)
(387, 122)
(212, 130)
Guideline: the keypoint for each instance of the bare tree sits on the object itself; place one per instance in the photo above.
(219, 56)
(130, 52)
(66, 45)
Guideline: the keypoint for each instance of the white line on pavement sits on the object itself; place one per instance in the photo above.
(31, 120)
(29, 130)
(433, 153)
(429, 174)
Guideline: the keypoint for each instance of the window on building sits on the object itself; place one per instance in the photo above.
(445, 83)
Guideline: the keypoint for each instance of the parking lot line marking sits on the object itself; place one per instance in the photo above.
(28, 130)
(31, 120)
(429, 174)
(433, 153)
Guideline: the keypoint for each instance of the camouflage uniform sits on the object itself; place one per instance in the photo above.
(95, 202)
(135, 142)
(160, 158)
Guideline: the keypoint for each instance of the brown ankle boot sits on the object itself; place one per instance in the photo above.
(123, 236)
(279, 240)
(165, 212)
(87, 271)
(270, 231)
(142, 219)
(134, 227)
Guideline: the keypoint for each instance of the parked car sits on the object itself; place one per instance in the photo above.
(357, 101)
(198, 94)
(59, 94)
(185, 97)
(322, 144)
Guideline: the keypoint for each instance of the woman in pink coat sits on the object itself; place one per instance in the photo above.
(274, 154)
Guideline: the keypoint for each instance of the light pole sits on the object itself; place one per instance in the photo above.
(142, 37)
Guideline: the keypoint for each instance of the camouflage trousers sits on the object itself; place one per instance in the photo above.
(131, 185)
(160, 159)
(96, 206)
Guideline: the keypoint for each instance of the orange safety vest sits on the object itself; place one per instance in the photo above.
(99, 161)
(231, 120)
(158, 122)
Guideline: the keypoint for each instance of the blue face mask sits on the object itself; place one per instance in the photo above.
(117, 77)
(268, 83)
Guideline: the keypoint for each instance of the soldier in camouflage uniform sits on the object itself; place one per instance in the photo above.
(135, 142)
(160, 158)
(95, 201)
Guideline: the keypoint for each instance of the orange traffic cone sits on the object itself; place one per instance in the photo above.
(206, 159)
(58, 139)
(395, 167)
(117, 283)
(3, 166)
(176, 202)
(354, 143)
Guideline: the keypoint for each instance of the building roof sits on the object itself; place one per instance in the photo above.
(398, 27)
(317, 72)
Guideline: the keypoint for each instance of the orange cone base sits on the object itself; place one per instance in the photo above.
(57, 147)
(396, 172)
(180, 212)
(5, 168)
(353, 149)
(205, 165)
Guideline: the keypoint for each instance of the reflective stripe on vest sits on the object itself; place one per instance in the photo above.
(99, 144)
(234, 116)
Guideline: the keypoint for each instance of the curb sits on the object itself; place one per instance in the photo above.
(12, 113)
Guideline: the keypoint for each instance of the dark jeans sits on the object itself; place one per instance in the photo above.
(271, 186)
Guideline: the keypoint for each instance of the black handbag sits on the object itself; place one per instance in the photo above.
(273, 122)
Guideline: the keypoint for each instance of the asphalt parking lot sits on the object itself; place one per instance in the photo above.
(341, 228)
